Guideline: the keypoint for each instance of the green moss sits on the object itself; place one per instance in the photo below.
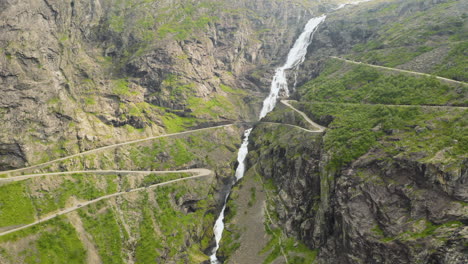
(53, 101)
(214, 107)
(158, 178)
(180, 153)
(409, 34)
(378, 231)
(90, 101)
(174, 224)
(54, 241)
(78, 185)
(454, 65)
(175, 123)
(106, 233)
(15, 206)
(364, 84)
(352, 133)
(120, 87)
(60, 246)
(117, 23)
(148, 245)
(229, 89)
(182, 22)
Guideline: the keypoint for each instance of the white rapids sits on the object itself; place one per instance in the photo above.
(279, 84)
(296, 56)
(219, 225)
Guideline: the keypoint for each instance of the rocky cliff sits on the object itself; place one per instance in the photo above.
(387, 206)
(81, 74)
(387, 181)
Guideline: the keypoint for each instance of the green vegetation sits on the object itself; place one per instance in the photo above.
(175, 123)
(364, 84)
(183, 21)
(428, 229)
(420, 229)
(60, 246)
(55, 241)
(279, 244)
(229, 89)
(53, 100)
(216, 106)
(117, 23)
(90, 100)
(355, 129)
(180, 153)
(253, 196)
(15, 205)
(147, 247)
(410, 34)
(455, 64)
(174, 224)
(77, 185)
(152, 179)
(120, 87)
(106, 232)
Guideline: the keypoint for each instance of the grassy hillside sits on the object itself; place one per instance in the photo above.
(343, 82)
(168, 223)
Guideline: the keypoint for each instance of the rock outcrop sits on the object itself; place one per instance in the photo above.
(379, 209)
(80, 74)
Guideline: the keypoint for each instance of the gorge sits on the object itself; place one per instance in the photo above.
(183, 131)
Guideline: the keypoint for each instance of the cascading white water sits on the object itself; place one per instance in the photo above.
(219, 225)
(295, 57)
(243, 151)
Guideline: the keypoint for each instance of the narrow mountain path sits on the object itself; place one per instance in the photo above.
(442, 107)
(320, 128)
(289, 125)
(202, 173)
(111, 146)
(29, 176)
(400, 70)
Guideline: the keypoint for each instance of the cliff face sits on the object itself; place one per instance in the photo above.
(385, 183)
(394, 34)
(80, 74)
(378, 209)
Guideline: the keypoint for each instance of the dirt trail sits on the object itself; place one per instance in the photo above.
(91, 250)
(25, 177)
(112, 146)
(202, 173)
(320, 128)
(442, 107)
(400, 70)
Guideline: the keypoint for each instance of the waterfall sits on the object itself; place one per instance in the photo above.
(279, 84)
(219, 225)
(296, 56)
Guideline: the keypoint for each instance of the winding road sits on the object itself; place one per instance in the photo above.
(112, 146)
(201, 173)
(29, 176)
(320, 128)
(293, 126)
(399, 70)
(441, 107)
